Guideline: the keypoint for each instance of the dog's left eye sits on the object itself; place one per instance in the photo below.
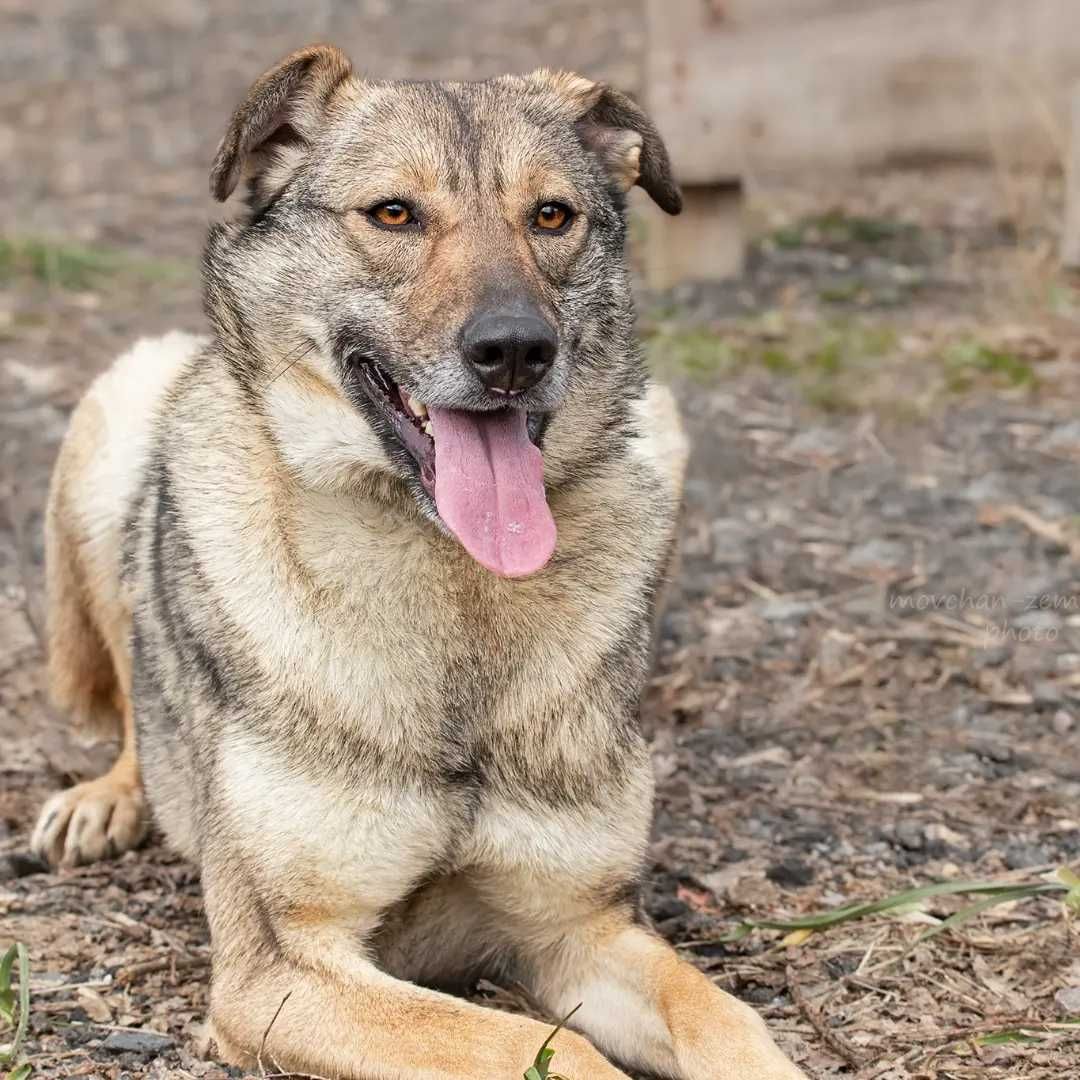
(551, 217)
(392, 215)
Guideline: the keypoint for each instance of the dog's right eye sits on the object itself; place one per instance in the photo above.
(392, 215)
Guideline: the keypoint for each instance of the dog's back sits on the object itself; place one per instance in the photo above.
(97, 475)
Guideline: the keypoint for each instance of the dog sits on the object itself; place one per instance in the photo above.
(367, 580)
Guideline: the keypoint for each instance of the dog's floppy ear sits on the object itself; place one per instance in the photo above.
(620, 134)
(617, 130)
(281, 110)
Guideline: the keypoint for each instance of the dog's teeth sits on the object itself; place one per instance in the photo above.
(417, 408)
(427, 428)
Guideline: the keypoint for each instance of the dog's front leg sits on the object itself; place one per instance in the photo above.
(650, 1009)
(293, 991)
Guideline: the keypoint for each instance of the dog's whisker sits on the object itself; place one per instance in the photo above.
(290, 361)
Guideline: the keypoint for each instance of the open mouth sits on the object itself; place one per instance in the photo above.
(407, 418)
(483, 469)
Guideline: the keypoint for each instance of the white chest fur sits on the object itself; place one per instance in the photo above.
(377, 843)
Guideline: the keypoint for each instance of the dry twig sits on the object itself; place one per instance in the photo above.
(832, 1038)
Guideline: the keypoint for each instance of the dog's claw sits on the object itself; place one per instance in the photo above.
(95, 820)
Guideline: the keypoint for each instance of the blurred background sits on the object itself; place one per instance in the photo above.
(869, 676)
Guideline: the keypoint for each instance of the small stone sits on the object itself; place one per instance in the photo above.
(787, 610)
(989, 488)
(1021, 856)
(818, 446)
(1067, 1000)
(1063, 440)
(995, 751)
(668, 907)
(147, 1043)
(909, 834)
(941, 835)
(791, 873)
(754, 892)
(961, 715)
(1063, 722)
(812, 835)
(1047, 695)
(993, 656)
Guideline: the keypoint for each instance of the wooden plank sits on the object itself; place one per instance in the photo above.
(706, 242)
(866, 86)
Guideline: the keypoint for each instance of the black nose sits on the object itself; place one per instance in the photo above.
(510, 353)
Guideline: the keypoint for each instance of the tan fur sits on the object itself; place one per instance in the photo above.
(81, 676)
(391, 767)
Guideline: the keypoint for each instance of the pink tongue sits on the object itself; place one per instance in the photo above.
(489, 488)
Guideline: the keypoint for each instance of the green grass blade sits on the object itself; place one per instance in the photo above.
(539, 1068)
(7, 995)
(24, 998)
(1072, 881)
(1000, 1038)
(10, 1053)
(967, 913)
(1068, 877)
(849, 912)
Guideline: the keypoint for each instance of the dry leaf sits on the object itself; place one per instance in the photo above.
(94, 1005)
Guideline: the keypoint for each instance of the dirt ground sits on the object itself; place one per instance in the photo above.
(869, 674)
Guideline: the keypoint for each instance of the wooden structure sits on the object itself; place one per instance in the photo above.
(744, 89)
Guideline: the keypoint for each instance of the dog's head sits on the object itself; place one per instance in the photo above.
(446, 259)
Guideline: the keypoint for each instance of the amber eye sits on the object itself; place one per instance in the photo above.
(553, 216)
(393, 215)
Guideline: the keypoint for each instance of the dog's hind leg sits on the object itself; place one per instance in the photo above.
(89, 661)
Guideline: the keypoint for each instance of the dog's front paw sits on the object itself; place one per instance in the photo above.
(746, 1061)
(735, 1045)
(95, 820)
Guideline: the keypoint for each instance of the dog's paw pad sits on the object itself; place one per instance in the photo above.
(96, 820)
